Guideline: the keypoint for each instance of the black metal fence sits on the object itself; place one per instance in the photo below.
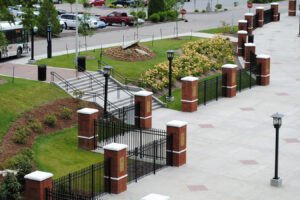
(268, 16)
(246, 78)
(243, 47)
(210, 89)
(255, 21)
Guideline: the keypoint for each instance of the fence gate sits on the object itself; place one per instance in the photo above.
(268, 16)
(209, 90)
(246, 78)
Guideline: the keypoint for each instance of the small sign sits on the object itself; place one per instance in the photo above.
(148, 107)
(182, 139)
(249, 4)
(183, 12)
(233, 78)
(194, 91)
(122, 164)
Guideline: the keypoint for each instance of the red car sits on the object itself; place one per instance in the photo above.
(97, 3)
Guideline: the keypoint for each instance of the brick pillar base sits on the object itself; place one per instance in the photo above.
(242, 38)
(176, 143)
(263, 75)
(249, 47)
(260, 10)
(242, 25)
(189, 99)
(36, 184)
(275, 7)
(87, 130)
(229, 80)
(249, 18)
(143, 114)
(292, 7)
(115, 172)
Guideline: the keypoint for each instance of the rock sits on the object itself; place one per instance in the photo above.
(144, 53)
(130, 44)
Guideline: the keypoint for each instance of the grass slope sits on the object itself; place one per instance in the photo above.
(23, 95)
(218, 30)
(58, 153)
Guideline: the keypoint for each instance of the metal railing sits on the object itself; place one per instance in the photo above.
(209, 90)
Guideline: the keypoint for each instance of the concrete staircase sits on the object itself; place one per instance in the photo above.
(92, 84)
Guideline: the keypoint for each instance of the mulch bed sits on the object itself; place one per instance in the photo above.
(3, 81)
(10, 149)
(130, 54)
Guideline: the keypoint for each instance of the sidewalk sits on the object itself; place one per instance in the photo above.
(231, 143)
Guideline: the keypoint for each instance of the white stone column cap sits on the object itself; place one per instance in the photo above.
(143, 93)
(87, 111)
(153, 196)
(242, 32)
(38, 176)
(260, 8)
(243, 21)
(177, 123)
(190, 78)
(249, 14)
(263, 56)
(229, 66)
(274, 3)
(115, 147)
(250, 45)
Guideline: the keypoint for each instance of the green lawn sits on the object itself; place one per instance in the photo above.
(218, 30)
(130, 69)
(23, 95)
(58, 153)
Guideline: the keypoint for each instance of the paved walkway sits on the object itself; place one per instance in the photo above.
(230, 152)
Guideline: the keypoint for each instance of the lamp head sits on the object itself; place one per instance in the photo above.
(107, 69)
(170, 54)
(277, 120)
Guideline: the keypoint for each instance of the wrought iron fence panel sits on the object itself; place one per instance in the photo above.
(246, 78)
(209, 90)
(268, 16)
(255, 21)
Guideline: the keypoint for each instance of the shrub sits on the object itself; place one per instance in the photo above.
(50, 119)
(111, 6)
(196, 11)
(141, 14)
(225, 9)
(155, 18)
(86, 4)
(10, 163)
(82, 104)
(9, 188)
(237, 3)
(21, 135)
(66, 113)
(155, 6)
(35, 125)
(24, 167)
(225, 28)
(172, 15)
(13, 162)
(218, 6)
(133, 13)
(203, 11)
(163, 16)
(25, 153)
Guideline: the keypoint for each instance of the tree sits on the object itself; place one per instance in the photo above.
(5, 15)
(71, 2)
(48, 16)
(9, 188)
(24, 167)
(155, 6)
(84, 28)
(3, 40)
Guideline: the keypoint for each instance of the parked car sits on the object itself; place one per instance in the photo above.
(91, 21)
(119, 18)
(60, 11)
(97, 3)
(101, 24)
(123, 2)
(70, 21)
(139, 21)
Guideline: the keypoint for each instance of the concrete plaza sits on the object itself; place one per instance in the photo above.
(231, 143)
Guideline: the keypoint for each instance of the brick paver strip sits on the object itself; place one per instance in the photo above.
(282, 94)
(249, 162)
(247, 109)
(194, 188)
(206, 126)
(292, 140)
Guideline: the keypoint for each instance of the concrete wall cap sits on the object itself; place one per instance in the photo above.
(143, 93)
(250, 45)
(243, 21)
(87, 111)
(263, 56)
(259, 8)
(274, 4)
(242, 32)
(230, 66)
(6, 171)
(249, 14)
(38, 176)
(190, 78)
(176, 123)
(153, 196)
(115, 147)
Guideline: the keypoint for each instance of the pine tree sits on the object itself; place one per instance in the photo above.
(48, 16)
(24, 167)
(9, 188)
(155, 6)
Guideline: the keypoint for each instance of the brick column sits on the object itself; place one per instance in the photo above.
(86, 128)
(275, 7)
(115, 172)
(144, 99)
(263, 66)
(36, 183)
(292, 7)
(249, 47)
(243, 25)
(189, 99)
(242, 38)
(249, 18)
(229, 80)
(260, 10)
(176, 143)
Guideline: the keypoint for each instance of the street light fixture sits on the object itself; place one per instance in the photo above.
(277, 121)
(170, 55)
(107, 70)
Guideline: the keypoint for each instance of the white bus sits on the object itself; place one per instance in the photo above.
(17, 40)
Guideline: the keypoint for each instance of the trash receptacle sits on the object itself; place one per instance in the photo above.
(81, 63)
(42, 72)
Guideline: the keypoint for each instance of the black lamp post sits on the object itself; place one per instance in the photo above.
(107, 70)
(170, 55)
(277, 120)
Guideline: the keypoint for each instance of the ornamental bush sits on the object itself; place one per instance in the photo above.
(50, 119)
(66, 113)
(9, 188)
(155, 18)
(162, 16)
(35, 125)
(172, 15)
(21, 135)
(141, 14)
(218, 6)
